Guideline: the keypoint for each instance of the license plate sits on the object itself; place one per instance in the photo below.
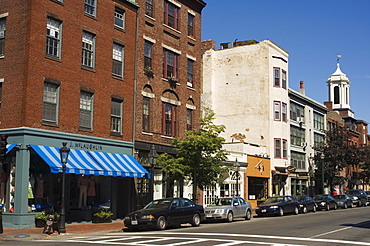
(263, 210)
(134, 222)
(208, 215)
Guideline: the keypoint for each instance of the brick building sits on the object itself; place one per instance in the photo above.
(168, 82)
(67, 73)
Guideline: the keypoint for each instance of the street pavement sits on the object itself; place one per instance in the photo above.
(34, 233)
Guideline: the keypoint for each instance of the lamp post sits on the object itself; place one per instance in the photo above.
(64, 152)
(322, 172)
(237, 167)
(152, 157)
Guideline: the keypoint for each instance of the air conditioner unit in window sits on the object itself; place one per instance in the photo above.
(300, 119)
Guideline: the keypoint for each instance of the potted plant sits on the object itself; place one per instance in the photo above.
(40, 219)
(172, 81)
(148, 71)
(102, 216)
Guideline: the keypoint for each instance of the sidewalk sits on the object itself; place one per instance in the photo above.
(34, 233)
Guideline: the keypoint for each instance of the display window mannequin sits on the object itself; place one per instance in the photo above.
(83, 183)
(91, 190)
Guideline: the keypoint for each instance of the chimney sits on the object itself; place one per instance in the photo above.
(301, 88)
(207, 45)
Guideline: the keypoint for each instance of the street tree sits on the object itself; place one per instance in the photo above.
(199, 157)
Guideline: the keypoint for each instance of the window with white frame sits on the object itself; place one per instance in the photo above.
(146, 114)
(50, 103)
(189, 119)
(190, 25)
(169, 119)
(116, 116)
(190, 73)
(277, 147)
(276, 110)
(170, 63)
(171, 15)
(88, 46)
(119, 18)
(118, 56)
(284, 112)
(298, 160)
(86, 109)
(53, 37)
(277, 77)
(148, 52)
(283, 79)
(90, 7)
(285, 149)
(2, 35)
(149, 8)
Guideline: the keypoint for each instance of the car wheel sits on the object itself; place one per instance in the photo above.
(229, 216)
(161, 223)
(248, 215)
(335, 206)
(345, 206)
(359, 204)
(351, 205)
(281, 211)
(314, 209)
(327, 207)
(296, 210)
(304, 209)
(196, 220)
(365, 204)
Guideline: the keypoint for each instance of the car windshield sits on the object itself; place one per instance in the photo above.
(353, 192)
(320, 197)
(338, 196)
(158, 204)
(300, 198)
(221, 202)
(274, 200)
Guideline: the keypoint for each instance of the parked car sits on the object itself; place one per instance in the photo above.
(278, 205)
(359, 197)
(343, 201)
(228, 208)
(165, 212)
(368, 196)
(325, 202)
(307, 203)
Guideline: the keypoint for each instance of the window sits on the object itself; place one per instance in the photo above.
(50, 103)
(118, 53)
(170, 63)
(116, 116)
(296, 110)
(285, 149)
(88, 43)
(189, 119)
(297, 136)
(190, 73)
(148, 46)
(53, 28)
(276, 110)
(146, 114)
(119, 18)
(283, 79)
(318, 140)
(2, 36)
(86, 107)
(318, 121)
(284, 112)
(169, 119)
(171, 15)
(336, 95)
(149, 8)
(190, 25)
(298, 160)
(90, 7)
(277, 148)
(277, 77)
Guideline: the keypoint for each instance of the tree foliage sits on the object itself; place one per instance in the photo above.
(199, 157)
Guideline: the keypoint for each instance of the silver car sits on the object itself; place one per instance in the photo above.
(228, 208)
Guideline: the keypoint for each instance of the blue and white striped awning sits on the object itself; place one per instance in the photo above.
(119, 165)
(79, 161)
(10, 147)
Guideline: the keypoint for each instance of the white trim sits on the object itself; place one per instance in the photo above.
(190, 11)
(167, 100)
(148, 94)
(171, 49)
(192, 107)
(152, 40)
(191, 57)
(4, 15)
(1, 80)
(175, 3)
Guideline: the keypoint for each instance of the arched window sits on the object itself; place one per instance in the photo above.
(336, 95)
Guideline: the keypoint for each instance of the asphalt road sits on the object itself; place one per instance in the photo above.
(339, 227)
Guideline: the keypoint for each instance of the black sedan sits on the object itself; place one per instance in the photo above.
(165, 212)
(307, 203)
(278, 205)
(343, 201)
(325, 202)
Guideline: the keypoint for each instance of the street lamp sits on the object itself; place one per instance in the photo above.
(322, 172)
(152, 157)
(64, 152)
(236, 165)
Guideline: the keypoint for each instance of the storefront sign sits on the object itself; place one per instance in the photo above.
(85, 146)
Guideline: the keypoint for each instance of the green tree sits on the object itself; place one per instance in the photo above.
(199, 157)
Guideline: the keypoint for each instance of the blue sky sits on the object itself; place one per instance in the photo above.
(312, 32)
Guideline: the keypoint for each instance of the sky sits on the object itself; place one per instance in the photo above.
(313, 32)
